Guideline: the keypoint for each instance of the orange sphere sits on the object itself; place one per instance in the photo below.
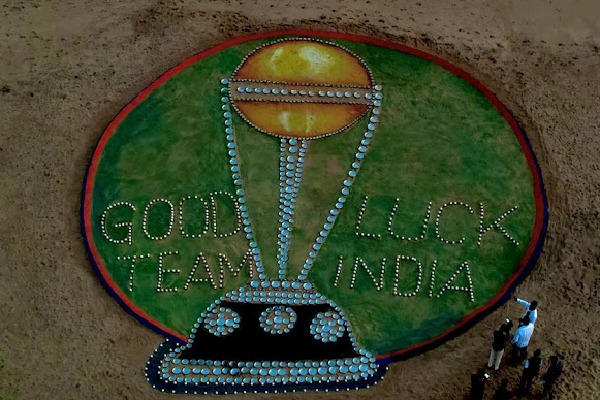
(301, 88)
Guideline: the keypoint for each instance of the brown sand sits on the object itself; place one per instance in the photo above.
(68, 67)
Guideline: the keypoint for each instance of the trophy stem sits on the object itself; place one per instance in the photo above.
(359, 157)
(291, 160)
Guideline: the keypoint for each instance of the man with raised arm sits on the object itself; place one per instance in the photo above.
(530, 309)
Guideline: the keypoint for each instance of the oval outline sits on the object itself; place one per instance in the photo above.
(525, 265)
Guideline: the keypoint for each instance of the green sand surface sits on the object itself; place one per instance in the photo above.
(438, 140)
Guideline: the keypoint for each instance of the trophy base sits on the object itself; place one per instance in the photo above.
(232, 377)
(268, 336)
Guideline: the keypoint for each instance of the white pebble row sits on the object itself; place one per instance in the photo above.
(448, 285)
(127, 239)
(224, 262)
(395, 290)
(438, 216)
(358, 262)
(205, 206)
(133, 260)
(338, 271)
(361, 212)
(161, 271)
(496, 224)
(424, 226)
(171, 219)
(432, 280)
(238, 213)
(200, 259)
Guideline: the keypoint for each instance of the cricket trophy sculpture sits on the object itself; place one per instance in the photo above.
(280, 334)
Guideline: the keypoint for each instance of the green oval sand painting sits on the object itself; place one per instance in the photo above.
(435, 221)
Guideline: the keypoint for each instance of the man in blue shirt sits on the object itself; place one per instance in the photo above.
(521, 339)
(530, 309)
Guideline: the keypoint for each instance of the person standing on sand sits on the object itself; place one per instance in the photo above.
(532, 369)
(500, 338)
(507, 326)
(478, 385)
(550, 377)
(521, 339)
(530, 309)
(502, 393)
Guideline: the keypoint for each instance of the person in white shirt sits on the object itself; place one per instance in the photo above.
(530, 309)
(521, 339)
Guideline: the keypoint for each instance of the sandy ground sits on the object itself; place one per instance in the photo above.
(68, 67)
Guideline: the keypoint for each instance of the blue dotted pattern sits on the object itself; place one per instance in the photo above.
(267, 372)
(328, 326)
(310, 93)
(278, 320)
(236, 176)
(292, 156)
(221, 321)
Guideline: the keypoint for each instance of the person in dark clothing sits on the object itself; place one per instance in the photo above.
(551, 375)
(532, 369)
(502, 393)
(507, 326)
(478, 385)
(499, 343)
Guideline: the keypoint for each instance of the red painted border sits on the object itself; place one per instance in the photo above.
(539, 193)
